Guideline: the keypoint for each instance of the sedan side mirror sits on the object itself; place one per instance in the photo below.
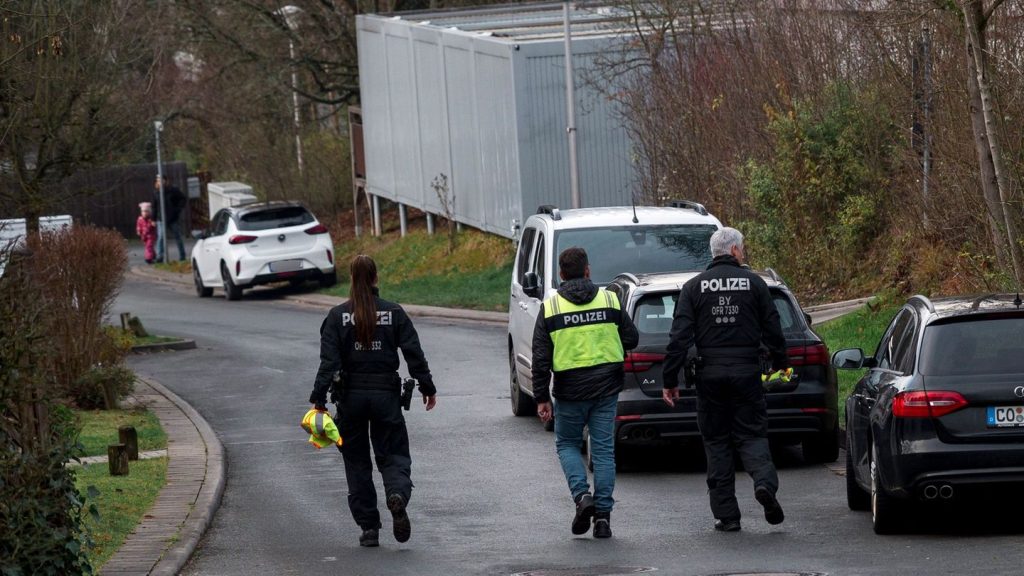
(808, 319)
(200, 234)
(849, 359)
(531, 285)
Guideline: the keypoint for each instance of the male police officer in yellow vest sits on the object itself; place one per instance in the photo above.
(581, 335)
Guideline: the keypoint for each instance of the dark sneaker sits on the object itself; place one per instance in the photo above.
(603, 525)
(727, 525)
(369, 538)
(772, 511)
(400, 520)
(584, 512)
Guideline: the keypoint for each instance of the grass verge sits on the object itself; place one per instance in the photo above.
(416, 270)
(122, 501)
(99, 429)
(176, 266)
(861, 329)
(151, 339)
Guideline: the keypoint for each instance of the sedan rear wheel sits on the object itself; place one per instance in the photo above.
(885, 510)
(201, 290)
(231, 291)
(821, 448)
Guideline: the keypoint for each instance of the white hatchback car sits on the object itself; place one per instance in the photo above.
(261, 243)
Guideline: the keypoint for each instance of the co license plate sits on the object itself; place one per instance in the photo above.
(286, 266)
(1005, 416)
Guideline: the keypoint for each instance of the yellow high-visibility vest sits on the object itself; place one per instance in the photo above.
(584, 335)
(322, 429)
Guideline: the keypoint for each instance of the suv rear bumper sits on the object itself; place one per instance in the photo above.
(650, 420)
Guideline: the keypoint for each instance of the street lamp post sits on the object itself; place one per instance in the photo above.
(288, 12)
(158, 127)
(570, 98)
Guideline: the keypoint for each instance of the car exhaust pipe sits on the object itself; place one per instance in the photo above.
(649, 434)
(946, 491)
(930, 492)
(636, 434)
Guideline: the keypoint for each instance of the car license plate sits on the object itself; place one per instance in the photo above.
(1005, 416)
(286, 266)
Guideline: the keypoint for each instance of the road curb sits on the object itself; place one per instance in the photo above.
(208, 500)
(164, 346)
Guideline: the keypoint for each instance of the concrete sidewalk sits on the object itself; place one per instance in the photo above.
(170, 531)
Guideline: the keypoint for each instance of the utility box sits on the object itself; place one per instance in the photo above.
(226, 194)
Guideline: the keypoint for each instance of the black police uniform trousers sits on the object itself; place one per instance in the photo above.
(373, 416)
(733, 419)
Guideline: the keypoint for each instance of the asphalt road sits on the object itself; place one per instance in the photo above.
(489, 497)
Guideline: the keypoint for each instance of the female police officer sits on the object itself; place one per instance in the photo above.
(360, 339)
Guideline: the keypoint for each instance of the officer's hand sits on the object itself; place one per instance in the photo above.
(544, 411)
(670, 395)
(429, 402)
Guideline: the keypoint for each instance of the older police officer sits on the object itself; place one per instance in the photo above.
(727, 313)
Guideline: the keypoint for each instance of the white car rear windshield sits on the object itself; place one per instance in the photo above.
(640, 249)
(270, 218)
(982, 346)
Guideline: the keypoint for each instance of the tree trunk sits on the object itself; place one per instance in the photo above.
(994, 184)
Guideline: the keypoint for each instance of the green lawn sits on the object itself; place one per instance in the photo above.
(861, 329)
(416, 270)
(121, 502)
(151, 339)
(99, 429)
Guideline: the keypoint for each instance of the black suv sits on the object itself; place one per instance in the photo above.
(940, 412)
(805, 411)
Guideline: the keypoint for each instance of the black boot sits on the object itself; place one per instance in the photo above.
(603, 525)
(772, 510)
(369, 538)
(400, 519)
(584, 512)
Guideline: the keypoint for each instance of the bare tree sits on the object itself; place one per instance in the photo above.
(72, 94)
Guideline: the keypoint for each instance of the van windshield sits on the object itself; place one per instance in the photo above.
(640, 249)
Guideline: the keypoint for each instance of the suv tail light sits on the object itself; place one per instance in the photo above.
(815, 354)
(318, 229)
(241, 239)
(926, 404)
(641, 361)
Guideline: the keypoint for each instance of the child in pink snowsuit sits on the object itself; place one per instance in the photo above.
(145, 226)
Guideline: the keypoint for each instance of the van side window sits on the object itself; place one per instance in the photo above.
(539, 262)
(525, 250)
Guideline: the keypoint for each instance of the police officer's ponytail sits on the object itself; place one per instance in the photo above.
(363, 273)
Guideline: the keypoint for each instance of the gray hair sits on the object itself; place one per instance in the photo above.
(723, 240)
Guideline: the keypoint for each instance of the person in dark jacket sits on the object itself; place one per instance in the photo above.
(581, 335)
(727, 313)
(359, 340)
(174, 202)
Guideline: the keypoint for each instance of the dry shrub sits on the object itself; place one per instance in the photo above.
(79, 273)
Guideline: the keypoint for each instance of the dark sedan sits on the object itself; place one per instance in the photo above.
(939, 415)
(805, 411)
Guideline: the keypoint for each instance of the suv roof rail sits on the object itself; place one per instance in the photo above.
(924, 300)
(774, 275)
(689, 205)
(629, 275)
(550, 209)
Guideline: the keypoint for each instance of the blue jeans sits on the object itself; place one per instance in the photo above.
(599, 416)
(175, 228)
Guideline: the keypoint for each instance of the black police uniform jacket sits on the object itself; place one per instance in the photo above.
(587, 383)
(339, 349)
(726, 312)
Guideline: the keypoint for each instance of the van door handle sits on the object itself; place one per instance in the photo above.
(523, 305)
